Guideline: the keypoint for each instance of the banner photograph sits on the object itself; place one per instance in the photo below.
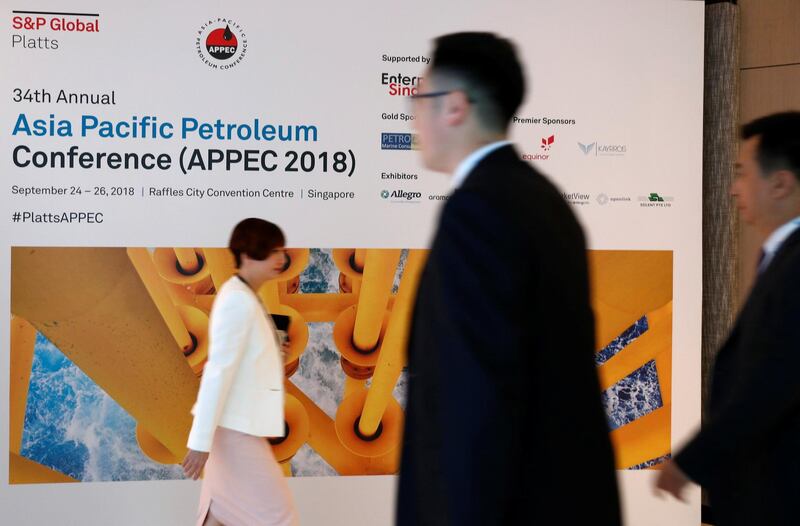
(136, 137)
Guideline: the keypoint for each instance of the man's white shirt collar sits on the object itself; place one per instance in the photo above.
(775, 240)
(471, 160)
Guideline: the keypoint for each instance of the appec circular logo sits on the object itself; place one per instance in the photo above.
(221, 43)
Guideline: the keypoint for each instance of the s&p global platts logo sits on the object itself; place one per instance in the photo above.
(221, 43)
(399, 141)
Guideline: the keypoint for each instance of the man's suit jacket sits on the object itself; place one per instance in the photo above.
(242, 384)
(746, 455)
(504, 422)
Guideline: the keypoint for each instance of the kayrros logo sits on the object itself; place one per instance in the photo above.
(401, 195)
(221, 43)
(602, 149)
(399, 85)
(586, 148)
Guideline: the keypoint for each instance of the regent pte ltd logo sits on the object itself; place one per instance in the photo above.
(221, 43)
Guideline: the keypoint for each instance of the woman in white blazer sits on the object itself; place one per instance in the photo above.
(240, 401)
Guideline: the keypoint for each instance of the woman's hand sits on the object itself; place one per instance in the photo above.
(193, 463)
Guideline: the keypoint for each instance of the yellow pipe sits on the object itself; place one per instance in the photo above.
(23, 341)
(625, 285)
(379, 268)
(157, 290)
(269, 295)
(656, 340)
(352, 385)
(187, 259)
(643, 439)
(154, 449)
(391, 360)
(360, 258)
(221, 264)
(22, 470)
(92, 305)
(324, 440)
(286, 466)
(319, 307)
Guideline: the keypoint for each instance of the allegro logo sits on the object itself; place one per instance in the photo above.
(401, 194)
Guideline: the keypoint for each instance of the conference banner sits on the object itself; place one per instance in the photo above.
(135, 136)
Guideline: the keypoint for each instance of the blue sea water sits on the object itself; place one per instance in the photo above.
(74, 427)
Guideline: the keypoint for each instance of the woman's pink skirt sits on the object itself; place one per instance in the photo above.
(243, 484)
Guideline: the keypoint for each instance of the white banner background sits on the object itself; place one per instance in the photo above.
(627, 72)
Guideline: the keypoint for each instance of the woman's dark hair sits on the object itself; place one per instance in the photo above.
(255, 237)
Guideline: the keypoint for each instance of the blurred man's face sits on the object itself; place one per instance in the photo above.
(750, 187)
(429, 125)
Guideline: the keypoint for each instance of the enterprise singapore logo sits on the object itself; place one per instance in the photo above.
(400, 85)
(221, 43)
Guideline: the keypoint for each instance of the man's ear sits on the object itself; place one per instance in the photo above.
(783, 183)
(457, 108)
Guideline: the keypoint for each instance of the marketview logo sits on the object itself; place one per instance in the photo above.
(576, 198)
(598, 149)
(221, 43)
(399, 141)
(656, 200)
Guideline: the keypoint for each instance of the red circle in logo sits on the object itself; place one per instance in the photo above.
(221, 43)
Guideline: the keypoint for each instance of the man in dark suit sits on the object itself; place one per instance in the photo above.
(504, 422)
(746, 454)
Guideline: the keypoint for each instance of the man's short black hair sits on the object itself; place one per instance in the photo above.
(255, 237)
(779, 141)
(489, 67)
